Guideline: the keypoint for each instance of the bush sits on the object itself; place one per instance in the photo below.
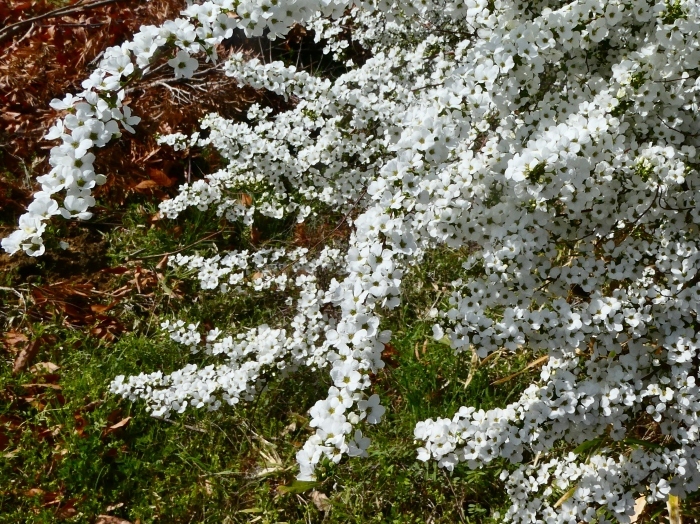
(556, 141)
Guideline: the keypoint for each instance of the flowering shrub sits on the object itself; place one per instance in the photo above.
(45, 59)
(556, 139)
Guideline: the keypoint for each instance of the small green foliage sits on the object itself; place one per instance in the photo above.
(621, 108)
(536, 175)
(638, 79)
(674, 11)
(77, 451)
(644, 169)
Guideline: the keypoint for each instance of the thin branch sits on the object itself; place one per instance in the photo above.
(186, 426)
(161, 255)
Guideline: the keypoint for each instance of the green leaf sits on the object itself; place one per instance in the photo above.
(566, 496)
(644, 443)
(582, 448)
(298, 486)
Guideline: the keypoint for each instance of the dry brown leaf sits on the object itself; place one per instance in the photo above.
(51, 498)
(109, 328)
(108, 519)
(103, 308)
(639, 505)
(67, 510)
(390, 355)
(254, 235)
(320, 500)
(26, 355)
(14, 338)
(120, 424)
(163, 262)
(246, 200)
(80, 424)
(114, 416)
(90, 406)
(50, 432)
(160, 178)
(44, 367)
(146, 184)
(111, 429)
(300, 235)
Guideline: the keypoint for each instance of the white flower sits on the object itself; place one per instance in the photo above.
(31, 225)
(76, 207)
(43, 206)
(183, 64)
(357, 447)
(373, 409)
(78, 147)
(120, 65)
(35, 247)
(97, 131)
(55, 131)
(13, 243)
(68, 102)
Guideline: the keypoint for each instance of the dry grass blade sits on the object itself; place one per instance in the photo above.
(531, 365)
(674, 509)
(472, 369)
(566, 496)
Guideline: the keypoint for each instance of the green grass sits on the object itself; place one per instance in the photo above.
(229, 465)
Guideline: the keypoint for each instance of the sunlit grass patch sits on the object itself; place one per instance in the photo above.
(73, 451)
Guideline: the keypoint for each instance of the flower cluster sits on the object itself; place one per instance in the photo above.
(94, 116)
(556, 140)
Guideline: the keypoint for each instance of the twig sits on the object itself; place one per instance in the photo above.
(26, 35)
(96, 24)
(227, 472)
(97, 58)
(180, 95)
(3, 288)
(262, 51)
(161, 255)
(80, 7)
(193, 82)
(462, 516)
(186, 426)
(22, 300)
